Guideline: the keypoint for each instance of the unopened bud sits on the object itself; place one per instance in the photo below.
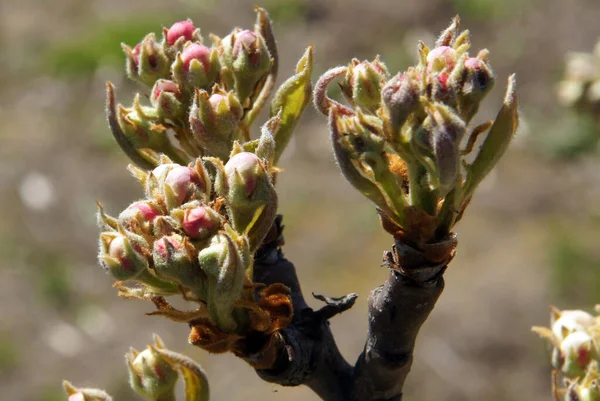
(577, 351)
(151, 375)
(122, 254)
(245, 55)
(365, 81)
(147, 62)
(215, 122)
(175, 260)
(182, 184)
(251, 198)
(195, 67)
(440, 58)
(85, 394)
(401, 97)
(139, 216)
(477, 82)
(181, 29)
(166, 98)
(198, 221)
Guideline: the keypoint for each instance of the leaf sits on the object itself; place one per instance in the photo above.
(196, 382)
(496, 141)
(291, 99)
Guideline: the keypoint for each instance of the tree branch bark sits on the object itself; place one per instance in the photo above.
(307, 353)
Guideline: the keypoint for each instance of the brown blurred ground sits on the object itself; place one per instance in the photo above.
(60, 318)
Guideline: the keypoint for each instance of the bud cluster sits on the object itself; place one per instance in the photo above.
(575, 339)
(196, 235)
(399, 141)
(203, 98)
(580, 86)
(209, 189)
(153, 374)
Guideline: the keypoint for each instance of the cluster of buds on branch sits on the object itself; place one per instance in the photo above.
(153, 374)
(210, 199)
(575, 339)
(580, 86)
(399, 141)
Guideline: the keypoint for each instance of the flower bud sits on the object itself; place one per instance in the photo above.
(364, 82)
(147, 62)
(181, 29)
(85, 394)
(215, 122)
(166, 98)
(175, 260)
(577, 350)
(245, 56)
(570, 321)
(122, 254)
(251, 199)
(151, 375)
(198, 221)
(182, 184)
(401, 97)
(478, 80)
(195, 67)
(226, 261)
(440, 58)
(141, 127)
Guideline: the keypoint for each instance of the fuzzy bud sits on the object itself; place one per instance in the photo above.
(175, 260)
(147, 61)
(195, 67)
(166, 98)
(364, 82)
(245, 57)
(181, 29)
(577, 351)
(139, 216)
(198, 221)
(440, 58)
(151, 375)
(122, 254)
(251, 198)
(478, 80)
(401, 97)
(215, 122)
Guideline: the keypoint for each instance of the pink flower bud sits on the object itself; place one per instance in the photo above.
(445, 54)
(163, 246)
(165, 86)
(129, 264)
(180, 29)
(245, 164)
(136, 54)
(473, 63)
(215, 100)
(245, 41)
(138, 215)
(196, 52)
(147, 212)
(184, 182)
(195, 220)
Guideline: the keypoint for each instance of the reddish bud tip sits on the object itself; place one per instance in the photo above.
(146, 212)
(445, 54)
(165, 86)
(165, 245)
(136, 53)
(245, 164)
(216, 99)
(180, 29)
(195, 220)
(196, 52)
(185, 182)
(473, 63)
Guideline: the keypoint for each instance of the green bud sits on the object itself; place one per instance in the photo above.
(225, 261)
(142, 128)
(215, 121)
(85, 394)
(166, 99)
(246, 60)
(251, 199)
(175, 260)
(196, 66)
(577, 349)
(151, 375)
(364, 82)
(147, 61)
(122, 254)
(401, 98)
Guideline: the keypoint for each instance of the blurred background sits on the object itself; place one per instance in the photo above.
(529, 239)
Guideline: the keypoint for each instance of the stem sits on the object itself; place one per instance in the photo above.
(420, 194)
